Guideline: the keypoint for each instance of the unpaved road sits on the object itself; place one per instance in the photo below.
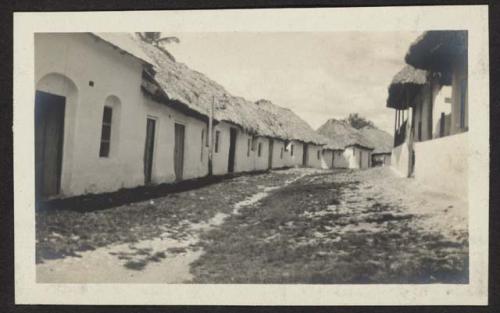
(293, 226)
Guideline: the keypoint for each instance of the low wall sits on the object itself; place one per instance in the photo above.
(442, 164)
(400, 159)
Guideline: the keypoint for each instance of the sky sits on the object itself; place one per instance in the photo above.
(318, 75)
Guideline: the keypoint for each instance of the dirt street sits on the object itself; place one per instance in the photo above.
(289, 226)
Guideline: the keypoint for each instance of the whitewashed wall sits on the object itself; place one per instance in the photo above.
(327, 158)
(313, 160)
(442, 164)
(340, 160)
(354, 154)
(278, 159)
(221, 157)
(261, 162)
(400, 159)
(64, 65)
(294, 160)
(195, 152)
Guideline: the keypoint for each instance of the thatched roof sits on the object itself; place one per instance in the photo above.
(404, 85)
(198, 92)
(192, 91)
(287, 124)
(125, 44)
(182, 84)
(380, 139)
(437, 50)
(341, 134)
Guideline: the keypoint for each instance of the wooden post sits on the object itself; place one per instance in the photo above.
(210, 138)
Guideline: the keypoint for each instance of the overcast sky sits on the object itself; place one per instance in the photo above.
(317, 75)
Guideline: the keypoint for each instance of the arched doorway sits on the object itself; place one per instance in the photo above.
(55, 94)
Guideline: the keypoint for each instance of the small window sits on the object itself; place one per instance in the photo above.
(318, 152)
(206, 139)
(106, 132)
(291, 150)
(249, 145)
(281, 153)
(217, 135)
(259, 149)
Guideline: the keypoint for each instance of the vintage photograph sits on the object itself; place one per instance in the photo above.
(350, 168)
(249, 157)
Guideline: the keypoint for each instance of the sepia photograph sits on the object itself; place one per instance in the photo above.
(200, 157)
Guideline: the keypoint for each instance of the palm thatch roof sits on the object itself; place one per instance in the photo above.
(125, 44)
(405, 84)
(184, 85)
(438, 50)
(341, 135)
(287, 124)
(380, 139)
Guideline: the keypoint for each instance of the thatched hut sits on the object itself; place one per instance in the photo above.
(435, 107)
(247, 136)
(349, 150)
(295, 143)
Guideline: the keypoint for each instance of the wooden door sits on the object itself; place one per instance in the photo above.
(179, 151)
(149, 149)
(304, 155)
(232, 149)
(270, 160)
(49, 135)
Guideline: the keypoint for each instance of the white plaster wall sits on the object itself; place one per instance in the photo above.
(326, 159)
(442, 164)
(195, 161)
(261, 162)
(313, 160)
(351, 157)
(353, 154)
(294, 160)
(278, 161)
(340, 160)
(400, 159)
(64, 65)
(220, 158)
(242, 161)
(81, 59)
(289, 159)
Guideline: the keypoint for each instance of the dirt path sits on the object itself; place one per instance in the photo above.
(293, 226)
(165, 258)
(346, 227)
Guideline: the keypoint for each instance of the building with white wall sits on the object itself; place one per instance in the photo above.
(112, 112)
(431, 121)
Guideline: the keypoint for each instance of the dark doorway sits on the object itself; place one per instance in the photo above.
(149, 149)
(304, 155)
(270, 160)
(49, 135)
(333, 159)
(232, 149)
(179, 151)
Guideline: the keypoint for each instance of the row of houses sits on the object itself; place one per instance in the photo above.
(113, 111)
(430, 99)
